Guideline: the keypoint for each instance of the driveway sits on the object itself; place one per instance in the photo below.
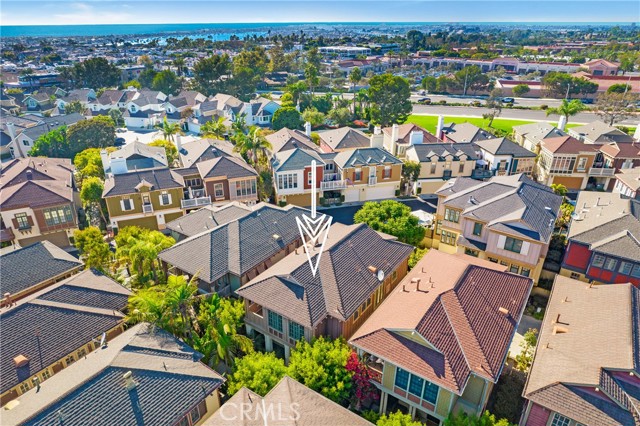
(344, 214)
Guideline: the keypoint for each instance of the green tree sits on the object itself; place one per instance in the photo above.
(389, 96)
(169, 147)
(296, 89)
(521, 89)
(208, 73)
(94, 73)
(116, 116)
(415, 257)
(397, 419)
(215, 129)
(139, 247)
(528, 346)
(564, 217)
(253, 145)
(98, 132)
(257, 371)
(146, 77)
(52, 144)
(613, 107)
(167, 82)
(313, 116)
(256, 59)
(311, 76)
(88, 163)
(494, 105)
(287, 117)
(180, 65)
(471, 78)
(278, 60)
(391, 217)
(568, 108)
(169, 130)
(355, 76)
(429, 83)
(91, 194)
(132, 83)
(619, 88)
(94, 251)
(410, 172)
(314, 58)
(560, 84)
(341, 116)
(286, 100)
(74, 106)
(320, 366)
(559, 189)
(463, 419)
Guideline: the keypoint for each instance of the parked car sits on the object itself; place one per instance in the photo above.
(586, 101)
(422, 92)
(475, 103)
(120, 142)
(121, 130)
(508, 100)
(424, 100)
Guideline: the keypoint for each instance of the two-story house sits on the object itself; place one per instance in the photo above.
(598, 133)
(55, 327)
(234, 250)
(503, 157)
(464, 133)
(344, 138)
(207, 218)
(84, 96)
(566, 161)
(292, 176)
(531, 135)
(363, 174)
(575, 383)
(603, 240)
(613, 158)
(23, 141)
(358, 269)
(144, 376)
(507, 220)
(39, 201)
(440, 162)
(135, 156)
(148, 198)
(145, 109)
(287, 139)
(397, 139)
(628, 183)
(439, 342)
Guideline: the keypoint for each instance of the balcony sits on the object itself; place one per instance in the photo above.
(602, 171)
(246, 197)
(481, 174)
(375, 371)
(372, 180)
(332, 185)
(190, 203)
(147, 208)
(327, 177)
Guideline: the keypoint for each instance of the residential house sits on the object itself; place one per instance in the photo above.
(32, 268)
(38, 103)
(398, 138)
(179, 107)
(362, 174)
(628, 183)
(144, 376)
(292, 176)
(24, 140)
(464, 132)
(565, 160)
(503, 157)
(84, 96)
(603, 240)
(439, 342)
(357, 270)
(112, 99)
(39, 201)
(147, 198)
(585, 369)
(8, 103)
(599, 133)
(531, 135)
(135, 156)
(440, 162)
(342, 139)
(507, 220)
(145, 110)
(207, 218)
(49, 330)
(233, 252)
(291, 404)
(260, 111)
(613, 158)
(10, 127)
(287, 139)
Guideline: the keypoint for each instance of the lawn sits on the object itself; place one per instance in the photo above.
(429, 122)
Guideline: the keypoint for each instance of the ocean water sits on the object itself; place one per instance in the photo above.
(224, 31)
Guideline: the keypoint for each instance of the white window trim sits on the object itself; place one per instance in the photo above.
(122, 205)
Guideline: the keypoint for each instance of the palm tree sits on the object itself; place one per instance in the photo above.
(169, 129)
(363, 99)
(239, 125)
(559, 189)
(179, 64)
(214, 129)
(354, 77)
(254, 145)
(568, 109)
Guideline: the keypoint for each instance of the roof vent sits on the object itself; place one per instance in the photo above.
(503, 311)
(20, 361)
(277, 237)
(372, 268)
(560, 330)
(129, 383)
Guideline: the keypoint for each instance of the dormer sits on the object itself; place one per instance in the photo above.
(144, 186)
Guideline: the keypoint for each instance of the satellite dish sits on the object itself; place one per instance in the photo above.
(380, 275)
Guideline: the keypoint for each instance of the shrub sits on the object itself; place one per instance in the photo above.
(321, 201)
(443, 102)
(544, 107)
(342, 199)
(282, 203)
(419, 190)
(397, 192)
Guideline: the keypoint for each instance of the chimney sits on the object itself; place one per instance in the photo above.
(11, 128)
(178, 143)
(504, 311)
(104, 156)
(29, 174)
(20, 361)
(377, 130)
(394, 133)
(248, 110)
(562, 122)
(129, 383)
(440, 126)
(307, 129)
(415, 137)
(373, 269)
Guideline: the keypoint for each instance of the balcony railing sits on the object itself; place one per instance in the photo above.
(481, 174)
(195, 202)
(335, 184)
(601, 171)
(373, 180)
(147, 208)
(327, 177)
(247, 197)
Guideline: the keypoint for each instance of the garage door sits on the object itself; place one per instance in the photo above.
(380, 193)
(351, 195)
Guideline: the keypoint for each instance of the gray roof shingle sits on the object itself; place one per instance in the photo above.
(295, 159)
(503, 146)
(126, 183)
(364, 157)
(208, 217)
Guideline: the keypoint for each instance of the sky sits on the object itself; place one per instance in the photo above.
(67, 12)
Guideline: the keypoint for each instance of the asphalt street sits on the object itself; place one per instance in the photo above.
(344, 214)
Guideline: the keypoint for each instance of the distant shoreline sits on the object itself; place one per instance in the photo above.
(150, 30)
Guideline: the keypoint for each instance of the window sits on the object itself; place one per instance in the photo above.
(357, 175)
(610, 264)
(45, 374)
(287, 181)
(195, 415)
(582, 163)
(296, 331)
(127, 204)
(82, 353)
(387, 172)
(58, 215)
(275, 321)
(471, 252)
(394, 275)
(447, 165)
(560, 420)
(575, 276)
(25, 142)
(493, 259)
(438, 227)
(193, 182)
(415, 385)
(69, 360)
(402, 378)
(245, 188)
(449, 238)
(562, 165)
(514, 269)
(218, 190)
(24, 387)
(635, 272)
(451, 215)
(23, 221)
(625, 268)
(184, 421)
(513, 245)
(165, 198)
(433, 168)
(461, 167)
(477, 229)
(525, 272)
(430, 393)
(598, 261)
